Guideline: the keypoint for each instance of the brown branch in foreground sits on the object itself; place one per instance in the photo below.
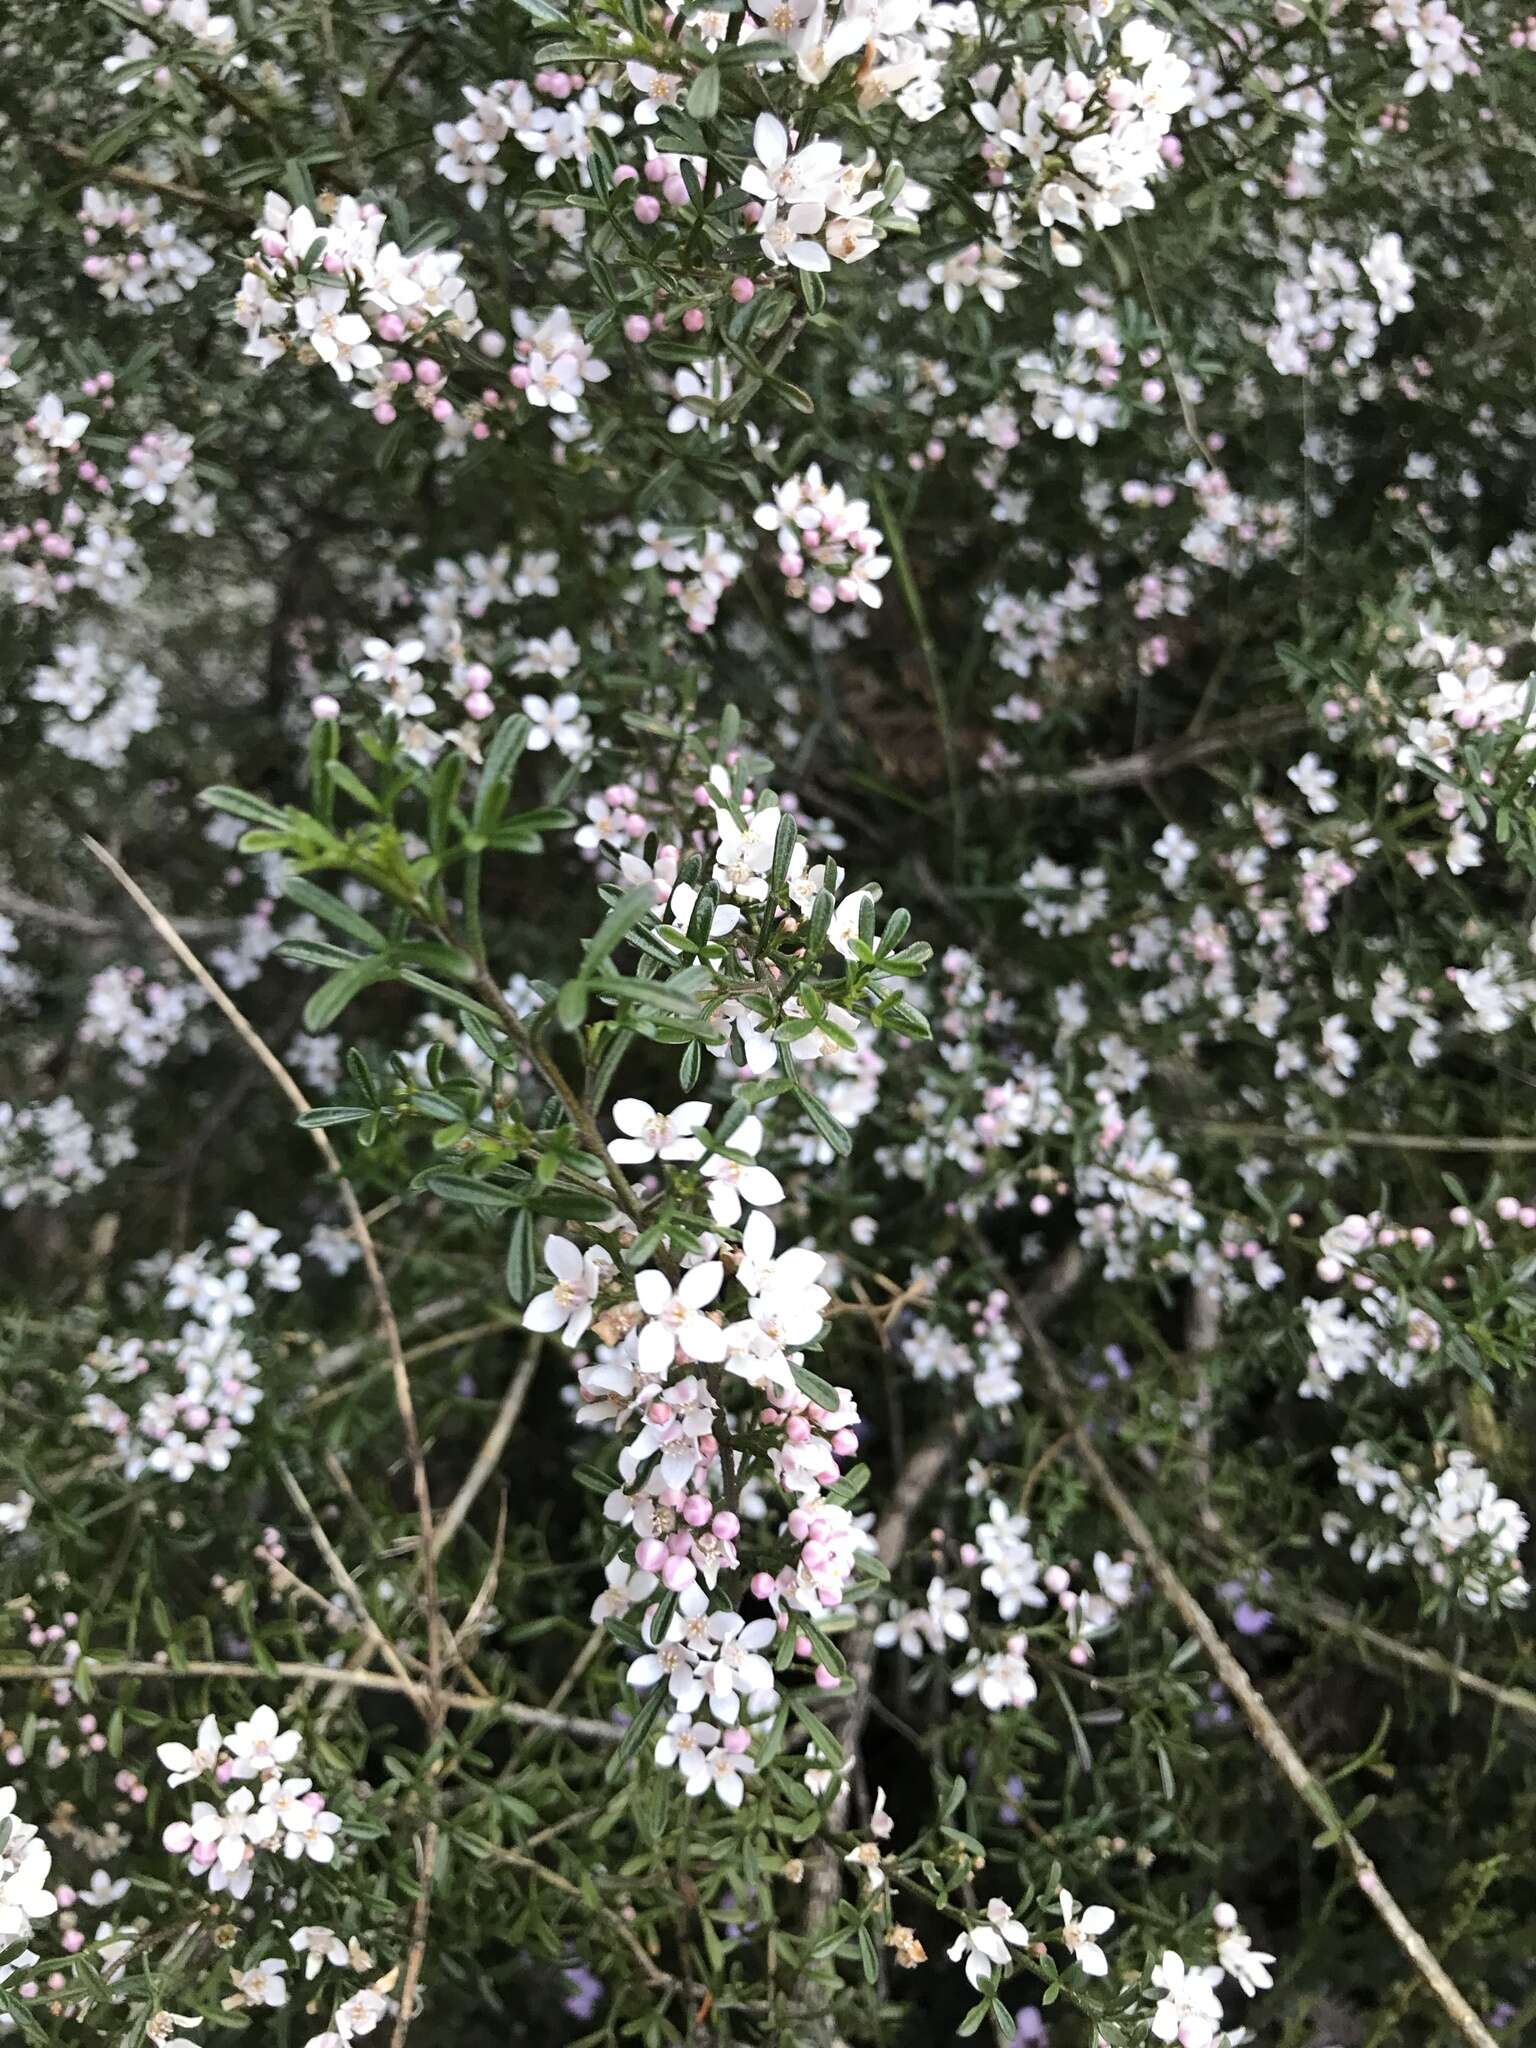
(1147, 764)
(259, 1675)
(1382, 1141)
(1267, 1731)
(1516, 1697)
(290, 1088)
(417, 1953)
(490, 1451)
(121, 174)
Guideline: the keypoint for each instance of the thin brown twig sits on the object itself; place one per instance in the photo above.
(490, 1451)
(655, 1976)
(574, 1725)
(121, 174)
(1188, 750)
(339, 1572)
(290, 1088)
(1516, 1697)
(1266, 1730)
(419, 1922)
(1388, 1141)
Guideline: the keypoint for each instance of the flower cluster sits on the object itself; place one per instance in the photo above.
(828, 550)
(233, 1837)
(197, 1391)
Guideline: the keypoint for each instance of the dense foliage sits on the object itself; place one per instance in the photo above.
(767, 978)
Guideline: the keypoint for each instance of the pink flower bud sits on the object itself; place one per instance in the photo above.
(324, 706)
(678, 1574)
(736, 1741)
(726, 1525)
(626, 174)
(429, 372)
(389, 327)
(845, 1443)
(650, 1555)
(384, 413)
(478, 705)
(762, 1585)
(520, 376)
(693, 320)
(824, 1679)
(675, 192)
(743, 290)
(442, 410)
(647, 210)
(637, 328)
(697, 1510)
(398, 372)
(656, 172)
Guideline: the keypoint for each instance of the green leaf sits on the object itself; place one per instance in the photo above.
(635, 1734)
(703, 100)
(240, 805)
(331, 910)
(571, 1006)
(490, 1199)
(633, 905)
(814, 1387)
(333, 996)
(317, 953)
(816, 1728)
(824, 1123)
(334, 1113)
(501, 759)
(520, 1266)
(454, 997)
(355, 787)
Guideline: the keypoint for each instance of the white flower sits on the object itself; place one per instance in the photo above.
(1315, 783)
(984, 1948)
(844, 928)
(186, 1764)
(1079, 1931)
(649, 1135)
(259, 1744)
(558, 724)
(360, 2015)
(318, 1945)
(732, 1182)
(675, 1319)
(626, 1588)
(1247, 1965)
(263, 1984)
(567, 1306)
(1189, 2011)
(24, 1865)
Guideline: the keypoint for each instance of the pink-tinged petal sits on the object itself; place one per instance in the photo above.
(544, 1313)
(761, 1187)
(770, 140)
(656, 1349)
(653, 1292)
(757, 1240)
(578, 1325)
(562, 1258)
(631, 1152)
(632, 1115)
(700, 1284)
(702, 1340)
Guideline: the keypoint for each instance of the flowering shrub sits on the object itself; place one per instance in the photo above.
(767, 969)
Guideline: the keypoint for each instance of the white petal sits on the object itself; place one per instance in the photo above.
(699, 1285)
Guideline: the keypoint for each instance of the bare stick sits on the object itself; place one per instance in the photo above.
(1267, 1731)
(290, 1088)
(418, 1949)
(491, 1450)
(321, 1674)
(1385, 1141)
